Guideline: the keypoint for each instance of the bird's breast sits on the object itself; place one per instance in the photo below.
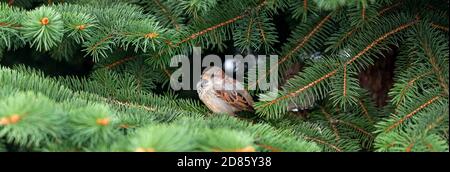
(216, 104)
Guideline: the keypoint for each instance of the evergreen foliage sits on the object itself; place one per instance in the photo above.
(124, 103)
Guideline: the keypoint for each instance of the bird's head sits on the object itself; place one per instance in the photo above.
(211, 76)
(213, 73)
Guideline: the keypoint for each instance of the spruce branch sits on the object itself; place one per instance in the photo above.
(323, 107)
(409, 115)
(402, 96)
(262, 107)
(360, 129)
(383, 37)
(30, 120)
(390, 7)
(222, 24)
(365, 111)
(300, 43)
(168, 14)
(336, 148)
(331, 122)
(44, 28)
(444, 28)
(422, 134)
(338, 40)
(436, 68)
(119, 62)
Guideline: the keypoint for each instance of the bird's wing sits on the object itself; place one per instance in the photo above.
(238, 98)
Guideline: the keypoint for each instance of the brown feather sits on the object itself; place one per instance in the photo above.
(236, 99)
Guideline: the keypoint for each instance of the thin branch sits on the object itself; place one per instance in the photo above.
(121, 61)
(249, 29)
(300, 44)
(168, 14)
(324, 143)
(365, 111)
(348, 34)
(331, 121)
(202, 32)
(345, 80)
(261, 30)
(101, 41)
(167, 72)
(270, 148)
(360, 129)
(305, 39)
(363, 11)
(305, 5)
(377, 41)
(9, 25)
(389, 8)
(292, 94)
(409, 85)
(147, 108)
(356, 28)
(436, 123)
(396, 124)
(436, 69)
(437, 26)
(365, 50)
(410, 146)
(195, 35)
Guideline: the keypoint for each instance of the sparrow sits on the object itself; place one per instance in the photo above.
(223, 94)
